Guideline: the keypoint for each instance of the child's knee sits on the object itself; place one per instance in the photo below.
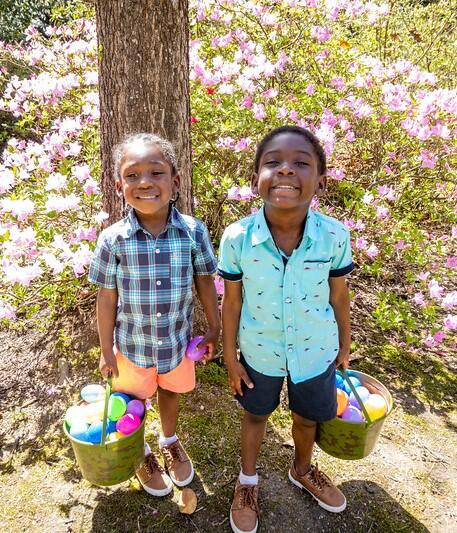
(305, 422)
(255, 419)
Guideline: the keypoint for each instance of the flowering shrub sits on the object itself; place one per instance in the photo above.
(372, 81)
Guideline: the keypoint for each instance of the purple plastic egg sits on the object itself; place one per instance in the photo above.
(352, 414)
(192, 352)
(128, 424)
(136, 407)
(363, 392)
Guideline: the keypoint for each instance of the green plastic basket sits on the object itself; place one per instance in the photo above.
(109, 463)
(354, 440)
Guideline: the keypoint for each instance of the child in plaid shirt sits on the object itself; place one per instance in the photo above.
(145, 266)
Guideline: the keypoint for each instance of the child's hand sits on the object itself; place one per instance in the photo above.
(237, 375)
(210, 340)
(342, 359)
(108, 365)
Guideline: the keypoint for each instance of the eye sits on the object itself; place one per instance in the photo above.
(302, 163)
(271, 163)
(131, 176)
(157, 173)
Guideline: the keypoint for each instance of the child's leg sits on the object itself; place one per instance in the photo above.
(252, 434)
(168, 403)
(313, 401)
(304, 435)
(171, 385)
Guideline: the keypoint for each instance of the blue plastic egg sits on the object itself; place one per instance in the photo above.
(339, 380)
(363, 392)
(79, 430)
(111, 426)
(94, 433)
(126, 397)
(355, 381)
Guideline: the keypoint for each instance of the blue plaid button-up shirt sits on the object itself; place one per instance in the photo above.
(153, 277)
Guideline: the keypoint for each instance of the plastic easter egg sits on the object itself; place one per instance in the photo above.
(363, 392)
(116, 407)
(355, 381)
(73, 414)
(192, 352)
(126, 397)
(113, 437)
(376, 406)
(95, 432)
(111, 426)
(136, 407)
(128, 424)
(352, 414)
(339, 380)
(92, 393)
(92, 412)
(78, 430)
(342, 401)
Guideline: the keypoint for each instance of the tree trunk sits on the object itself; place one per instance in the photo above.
(144, 83)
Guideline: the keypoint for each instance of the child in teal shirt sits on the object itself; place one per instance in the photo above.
(287, 303)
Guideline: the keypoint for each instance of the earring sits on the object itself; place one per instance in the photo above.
(174, 200)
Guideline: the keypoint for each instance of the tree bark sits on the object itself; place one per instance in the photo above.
(144, 83)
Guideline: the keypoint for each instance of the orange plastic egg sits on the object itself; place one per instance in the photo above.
(342, 401)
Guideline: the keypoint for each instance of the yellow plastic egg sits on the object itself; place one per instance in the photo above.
(113, 437)
(376, 406)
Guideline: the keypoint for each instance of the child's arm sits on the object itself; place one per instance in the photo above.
(231, 309)
(339, 300)
(106, 319)
(207, 295)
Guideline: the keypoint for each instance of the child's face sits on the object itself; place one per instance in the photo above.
(288, 175)
(146, 179)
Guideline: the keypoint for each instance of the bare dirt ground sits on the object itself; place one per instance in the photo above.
(408, 484)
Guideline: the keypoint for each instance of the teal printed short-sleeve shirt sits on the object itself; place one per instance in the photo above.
(287, 324)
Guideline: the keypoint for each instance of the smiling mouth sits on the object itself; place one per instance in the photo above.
(285, 188)
(147, 196)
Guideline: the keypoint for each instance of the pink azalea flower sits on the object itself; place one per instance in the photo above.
(423, 276)
(401, 244)
(56, 182)
(62, 203)
(310, 89)
(361, 243)
(428, 159)
(450, 300)
(435, 289)
(259, 111)
(451, 262)
(6, 180)
(21, 209)
(336, 173)
(419, 299)
(439, 336)
(7, 311)
(372, 251)
(245, 193)
(101, 217)
(321, 33)
(91, 187)
(382, 212)
(429, 341)
(81, 172)
(242, 144)
(233, 193)
(219, 284)
(450, 322)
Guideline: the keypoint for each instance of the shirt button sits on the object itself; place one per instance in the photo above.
(290, 350)
(290, 329)
(157, 251)
(159, 314)
(288, 300)
(321, 265)
(159, 282)
(159, 343)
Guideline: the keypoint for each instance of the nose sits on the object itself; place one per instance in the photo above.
(144, 180)
(285, 169)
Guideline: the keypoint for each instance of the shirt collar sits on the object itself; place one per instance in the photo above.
(261, 230)
(175, 219)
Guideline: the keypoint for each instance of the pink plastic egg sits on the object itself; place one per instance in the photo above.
(128, 424)
(136, 407)
(192, 352)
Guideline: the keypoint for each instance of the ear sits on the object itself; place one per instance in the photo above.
(118, 186)
(254, 183)
(321, 185)
(175, 183)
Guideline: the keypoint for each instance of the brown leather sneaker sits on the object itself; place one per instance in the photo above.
(244, 511)
(320, 487)
(153, 477)
(178, 464)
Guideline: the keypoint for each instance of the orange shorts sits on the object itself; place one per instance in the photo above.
(143, 382)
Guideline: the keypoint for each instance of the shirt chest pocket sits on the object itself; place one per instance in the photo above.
(181, 269)
(313, 279)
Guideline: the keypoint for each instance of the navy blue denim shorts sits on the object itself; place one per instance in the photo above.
(313, 399)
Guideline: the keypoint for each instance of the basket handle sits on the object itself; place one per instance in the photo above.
(109, 383)
(356, 394)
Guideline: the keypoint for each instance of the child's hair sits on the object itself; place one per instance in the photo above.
(165, 147)
(310, 137)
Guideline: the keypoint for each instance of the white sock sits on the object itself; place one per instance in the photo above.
(248, 480)
(147, 449)
(166, 441)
